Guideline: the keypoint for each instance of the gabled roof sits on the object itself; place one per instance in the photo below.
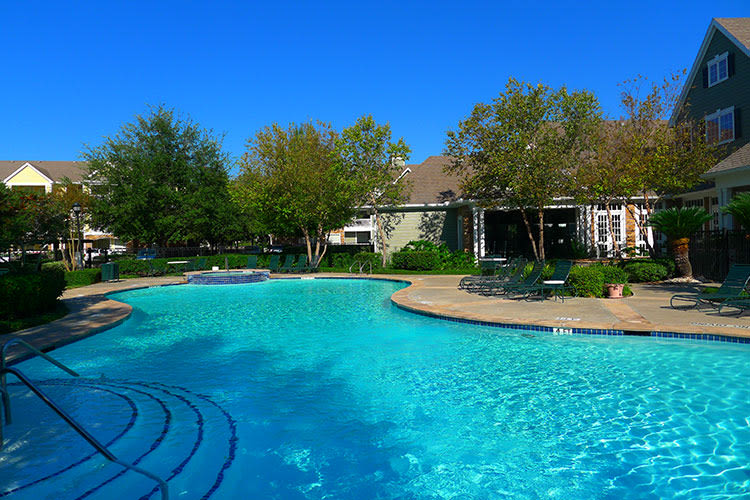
(738, 159)
(53, 170)
(736, 29)
(431, 185)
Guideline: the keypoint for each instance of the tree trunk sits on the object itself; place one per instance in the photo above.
(307, 243)
(681, 257)
(641, 228)
(541, 234)
(529, 232)
(381, 231)
(615, 243)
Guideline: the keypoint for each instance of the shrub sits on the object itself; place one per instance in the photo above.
(444, 258)
(82, 277)
(415, 260)
(587, 281)
(639, 272)
(613, 274)
(26, 294)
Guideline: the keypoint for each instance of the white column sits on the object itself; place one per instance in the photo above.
(478, 218)
(725, 220)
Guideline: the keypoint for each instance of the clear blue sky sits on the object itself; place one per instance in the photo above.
(73, 72)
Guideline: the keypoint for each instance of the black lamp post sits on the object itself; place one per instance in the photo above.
(77, 212)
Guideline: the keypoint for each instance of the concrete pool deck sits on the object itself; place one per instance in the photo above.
(645, 312)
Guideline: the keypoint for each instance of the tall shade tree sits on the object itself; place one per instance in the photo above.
(29, 219)
(66, 193)
(521, 150)
(369, 156)
(658, 159)
(292, 183)
(162, 179)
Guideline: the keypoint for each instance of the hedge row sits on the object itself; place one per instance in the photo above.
(416, 261)
(83, 277)
(27, 294)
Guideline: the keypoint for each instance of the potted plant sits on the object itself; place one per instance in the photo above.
(679, 224)
(615, 279)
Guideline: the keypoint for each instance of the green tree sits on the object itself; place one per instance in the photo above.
(521, 150)
(29, 219)
(292, 183)
(66, 193)
(739, 208)
(161, 179)
(373, 163)
(679, 224)
(658, 159)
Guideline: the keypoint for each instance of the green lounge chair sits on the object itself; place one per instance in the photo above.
(273, 263)
(200, 264)
(314, 265)
(488, 286)
(732, 288)
(252, 262)
(472, 282)
(555, 284)
(301, 265)
(521, 286)
(288, 264)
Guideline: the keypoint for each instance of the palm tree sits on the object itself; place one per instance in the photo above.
(739, 208)
(679, 224)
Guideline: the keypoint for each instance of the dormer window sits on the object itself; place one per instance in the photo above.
(718, 69)
(720, 126)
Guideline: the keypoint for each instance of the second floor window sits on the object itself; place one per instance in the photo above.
(718, 69)
(720, 126)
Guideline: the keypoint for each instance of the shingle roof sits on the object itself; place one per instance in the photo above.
(55, 170)
(430, 184)
(738, 159)
(739, 27)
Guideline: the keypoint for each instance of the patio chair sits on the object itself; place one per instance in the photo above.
(471, 282)
(288, 264)
(520, 286)
(200, 264)
(488, 286)
(252, 262)
(732, 288)
(314, 264)
(555, 284)
(273, 263)
(301, 266)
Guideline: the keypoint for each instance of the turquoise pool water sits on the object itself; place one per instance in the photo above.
(312, 389)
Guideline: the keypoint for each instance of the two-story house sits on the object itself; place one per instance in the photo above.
(717, 94)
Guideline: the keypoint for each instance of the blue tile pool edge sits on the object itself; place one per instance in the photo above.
(561, 330)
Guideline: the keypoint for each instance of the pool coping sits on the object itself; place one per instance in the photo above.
(86, 320)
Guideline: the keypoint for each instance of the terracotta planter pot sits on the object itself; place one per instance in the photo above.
(614, 290)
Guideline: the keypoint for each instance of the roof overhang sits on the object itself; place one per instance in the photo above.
(25, 165)
(713, 175)
(712, 28)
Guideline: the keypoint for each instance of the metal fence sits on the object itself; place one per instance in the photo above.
(712, 252)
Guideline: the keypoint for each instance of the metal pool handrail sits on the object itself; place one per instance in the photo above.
(362, 265)
(4, 370)
(3, 364)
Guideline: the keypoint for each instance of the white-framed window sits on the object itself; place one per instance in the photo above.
(718, 69)
(720, 126)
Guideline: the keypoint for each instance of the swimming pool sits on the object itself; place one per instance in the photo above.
(307, 389)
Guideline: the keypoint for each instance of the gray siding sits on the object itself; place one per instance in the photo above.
(434, 225)
(734, 91)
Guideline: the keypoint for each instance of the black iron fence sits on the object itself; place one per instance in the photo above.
(712, 252)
